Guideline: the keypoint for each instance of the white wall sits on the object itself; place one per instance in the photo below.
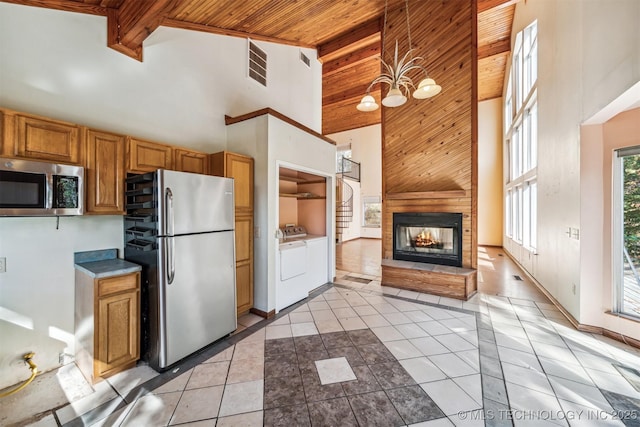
(57, 64)
(366, 149)
(598, 143)
(589, 53)
(490, 183)
(275, 143)
(37, 291)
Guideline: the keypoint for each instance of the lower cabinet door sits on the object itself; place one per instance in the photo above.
(244, 263)
(118, 337)
(244, 287)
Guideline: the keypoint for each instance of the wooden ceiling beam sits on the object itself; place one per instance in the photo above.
(495, 48)
(363, 35)
(175, 23)
(484, 5)
(65, 5)
(365, 53)
(130, 24)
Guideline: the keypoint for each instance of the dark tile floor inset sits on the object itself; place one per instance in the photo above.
(625, 407)
(365, 383)
(306, 360)
(314, 390)
(375, 353)
(286, 416)
(383, 394)
(308, 343)
(281, 345)
(414, 405)
(283, 391)
(350, 353)
(280, 365)
(375, 409)
(391, 375)
(332, 412)
(363, 337)
(336, 340)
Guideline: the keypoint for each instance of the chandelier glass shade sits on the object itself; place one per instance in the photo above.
(396, 75)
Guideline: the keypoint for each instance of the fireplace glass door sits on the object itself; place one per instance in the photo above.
(428, 237)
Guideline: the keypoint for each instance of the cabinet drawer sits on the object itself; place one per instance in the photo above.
(111, 285)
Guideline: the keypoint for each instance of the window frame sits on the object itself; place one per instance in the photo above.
(371, 200)
(521, 142)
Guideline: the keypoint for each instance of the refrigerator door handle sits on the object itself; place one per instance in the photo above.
(168, 199)
(171, 268)
(171, 260)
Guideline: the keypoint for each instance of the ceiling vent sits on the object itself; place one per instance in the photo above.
(257, 64)
(304, 58)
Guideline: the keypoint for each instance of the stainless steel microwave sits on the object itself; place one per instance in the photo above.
(29, 188)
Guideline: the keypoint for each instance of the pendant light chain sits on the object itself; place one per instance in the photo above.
(384, 29)
(408, 25)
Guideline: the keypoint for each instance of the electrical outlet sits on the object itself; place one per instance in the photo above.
(3, 265)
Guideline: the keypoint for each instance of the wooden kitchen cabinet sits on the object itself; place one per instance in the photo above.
(104, 172)
(240, 168)
(244, 263)
(191, 161)
(39, 138)
(111, 307)
(147, 156)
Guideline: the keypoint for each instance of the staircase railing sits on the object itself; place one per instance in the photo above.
(344, 206)
(349, 169)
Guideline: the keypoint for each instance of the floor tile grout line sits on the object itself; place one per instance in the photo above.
(489, 322)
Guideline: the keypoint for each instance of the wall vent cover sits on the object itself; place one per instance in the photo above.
(304, 58)
(257, 64)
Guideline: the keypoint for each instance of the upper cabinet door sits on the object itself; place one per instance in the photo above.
(147, 156)
(190, 161)
(104, 172)
(240, 168)
(45, 139)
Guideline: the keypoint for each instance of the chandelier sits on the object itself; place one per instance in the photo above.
(396, 75)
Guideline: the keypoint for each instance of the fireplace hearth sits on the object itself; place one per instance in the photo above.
(429, 237)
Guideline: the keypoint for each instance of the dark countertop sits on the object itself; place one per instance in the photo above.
(100, 264)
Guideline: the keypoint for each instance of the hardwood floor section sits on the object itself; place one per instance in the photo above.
(496, 271)
(360, 256)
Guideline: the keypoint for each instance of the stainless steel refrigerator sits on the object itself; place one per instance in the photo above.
(180, 227)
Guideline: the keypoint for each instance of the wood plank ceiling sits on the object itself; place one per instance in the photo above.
(345, 33)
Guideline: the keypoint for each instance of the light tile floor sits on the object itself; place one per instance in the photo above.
(503, 360)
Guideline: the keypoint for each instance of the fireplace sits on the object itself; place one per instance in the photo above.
(430, 237)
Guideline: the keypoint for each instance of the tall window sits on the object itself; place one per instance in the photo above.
(371, 211)
(627, 231)
(521, 136)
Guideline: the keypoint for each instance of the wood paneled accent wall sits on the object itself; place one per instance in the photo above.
(429, 147)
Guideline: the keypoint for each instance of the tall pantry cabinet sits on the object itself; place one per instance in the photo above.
(240, 168)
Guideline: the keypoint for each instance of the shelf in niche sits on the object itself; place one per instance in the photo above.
(300, 196)
(301, 180)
